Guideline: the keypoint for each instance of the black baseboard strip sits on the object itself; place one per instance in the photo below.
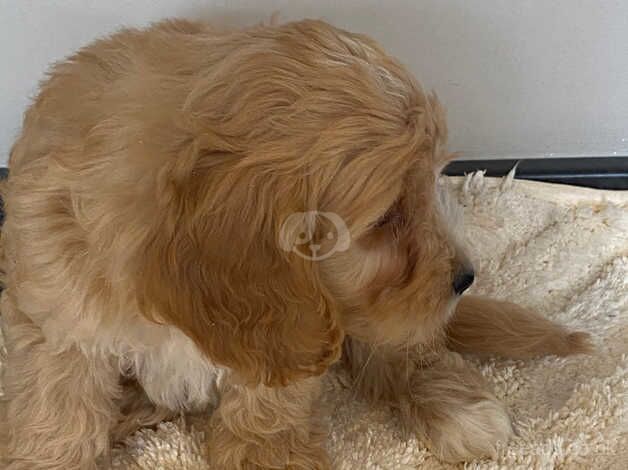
(4, 172)
(593, 172)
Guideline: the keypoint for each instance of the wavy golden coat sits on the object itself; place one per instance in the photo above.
(145, 249)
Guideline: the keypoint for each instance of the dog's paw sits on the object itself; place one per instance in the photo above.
(468, 432)
(577, 342)
(452, 409)
(281, 451)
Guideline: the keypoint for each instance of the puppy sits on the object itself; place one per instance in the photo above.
(221, 216)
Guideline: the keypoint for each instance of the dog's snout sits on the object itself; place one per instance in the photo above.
(463, 280)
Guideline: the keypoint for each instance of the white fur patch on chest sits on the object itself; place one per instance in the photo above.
(167, 363)
(175, 374)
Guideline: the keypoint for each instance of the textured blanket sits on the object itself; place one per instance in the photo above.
(558, 249)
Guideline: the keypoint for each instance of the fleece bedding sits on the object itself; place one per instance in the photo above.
(559, 249)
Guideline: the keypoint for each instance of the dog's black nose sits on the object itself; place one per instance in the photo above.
(463, 281)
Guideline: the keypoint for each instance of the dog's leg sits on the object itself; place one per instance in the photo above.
(137, 411)
(61, 403)
(485, 326)
(451, 408)
(438, 396)
(268, 428)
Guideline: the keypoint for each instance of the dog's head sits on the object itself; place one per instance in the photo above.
(301, 205)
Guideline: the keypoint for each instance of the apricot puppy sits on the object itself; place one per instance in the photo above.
(218, 217)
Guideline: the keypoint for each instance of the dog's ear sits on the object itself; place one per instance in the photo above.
(214, 267)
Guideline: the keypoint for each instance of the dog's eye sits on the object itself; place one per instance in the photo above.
(393, 217)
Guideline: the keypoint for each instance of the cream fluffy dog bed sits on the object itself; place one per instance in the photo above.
(559, 249)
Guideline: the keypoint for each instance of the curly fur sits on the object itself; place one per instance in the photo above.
(144, 213)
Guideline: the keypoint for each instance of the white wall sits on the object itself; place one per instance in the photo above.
(520, 78)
